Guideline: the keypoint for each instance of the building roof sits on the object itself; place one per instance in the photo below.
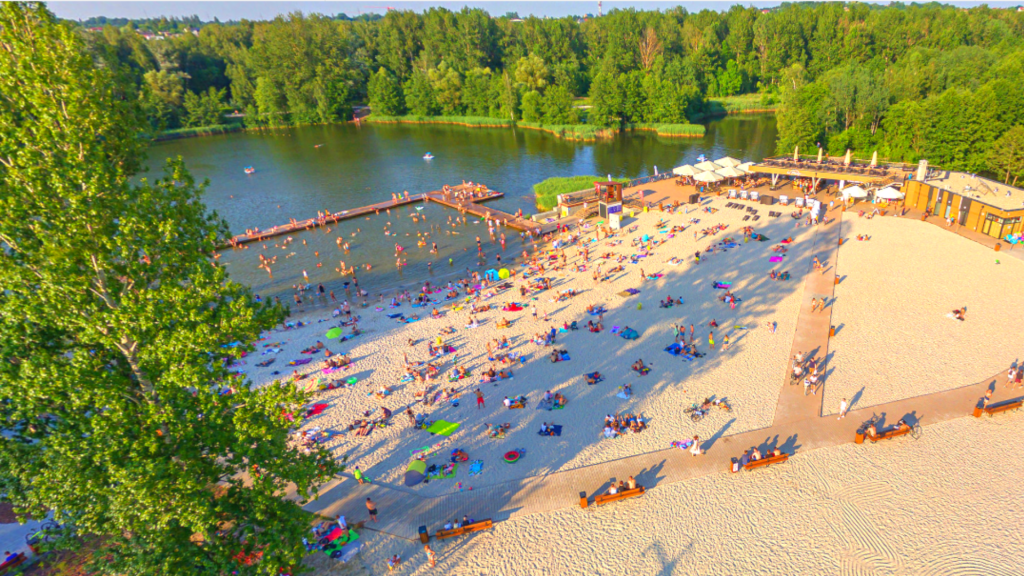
(984, 190)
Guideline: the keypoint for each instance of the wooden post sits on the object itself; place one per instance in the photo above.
(583, 500)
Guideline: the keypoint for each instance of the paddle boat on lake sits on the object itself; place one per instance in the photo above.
(428, 156)
(249, 170)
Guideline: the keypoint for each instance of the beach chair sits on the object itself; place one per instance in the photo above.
(732, 193)
(753, 196)
(799, 202)
(744, 195)
(784, 200)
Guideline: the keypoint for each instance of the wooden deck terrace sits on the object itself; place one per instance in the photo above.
(831, 170)
(470, 207)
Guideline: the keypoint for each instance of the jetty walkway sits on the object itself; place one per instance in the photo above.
(470, 205)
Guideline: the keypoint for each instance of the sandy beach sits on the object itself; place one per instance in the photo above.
(885, 509)
(746, 375)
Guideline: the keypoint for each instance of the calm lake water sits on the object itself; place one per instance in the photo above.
(360, 165)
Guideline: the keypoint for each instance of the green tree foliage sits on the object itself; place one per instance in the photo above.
(446, 84)
(204, 109)
(532, 72)
(419, 95)
(163, 94)
(112, 321)
(531, 106)
(558, 106)
(386, 94)
(1007, 155)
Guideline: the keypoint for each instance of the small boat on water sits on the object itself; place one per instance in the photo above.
(249, 170)
(428, 156)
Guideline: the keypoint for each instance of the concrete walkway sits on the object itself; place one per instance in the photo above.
(798, 427)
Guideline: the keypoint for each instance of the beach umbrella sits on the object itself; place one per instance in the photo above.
(708, 177)
(746, 167)
(874, 158)
(889, 193)
(333, 333)
(854, 192)
(685, 170)
(819, 154)
(503, 273)
(707, 165)
(416, 472)
(796, 152)
(847, 159)
(729, 172)
(728, 161)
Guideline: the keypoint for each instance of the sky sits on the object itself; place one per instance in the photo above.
(268, 10)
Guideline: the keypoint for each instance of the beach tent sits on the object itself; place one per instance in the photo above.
(416, 472)
(333, 333)
(854, 192)
(685, 170)
(491, 275)
(708, 177)
(728, 161)
(707, 165)
(730, 172)
(889, 193)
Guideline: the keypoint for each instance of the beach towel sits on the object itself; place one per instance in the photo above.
(399, 315)
(688, 357)
(332, 370)
(722, 285)
(316, 409)
(300, 362)
(684, 445)
(591, 375)
(615, 329)
(443, 428)
(476, 467)
(776, 258)
(597, 311)
(555, 431)
(674, 349)
(440, 475)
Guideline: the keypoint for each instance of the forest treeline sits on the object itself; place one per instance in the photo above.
(910, 81)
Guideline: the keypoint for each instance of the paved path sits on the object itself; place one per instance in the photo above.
(798, 427)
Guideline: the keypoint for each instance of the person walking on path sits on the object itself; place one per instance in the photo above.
(711, 339)
(843, 407)
(725, 343)
(431, 555)
(695, 449)
(479, 399)
(814, 304)
(372, 509)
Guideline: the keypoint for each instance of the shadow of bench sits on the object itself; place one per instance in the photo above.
(468, 528)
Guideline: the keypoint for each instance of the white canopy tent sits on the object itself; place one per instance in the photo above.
(708, 177)
(685, 170)
(854, 192)
(889, 193)
(730, 172)
(746, 166)
(728, 161)
(707, 165)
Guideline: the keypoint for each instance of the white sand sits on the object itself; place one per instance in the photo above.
(932, 507)
(895, 340)
(749, 374)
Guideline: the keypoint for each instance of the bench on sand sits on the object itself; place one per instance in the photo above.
(602, 499)
(754, 464)
(474, 527)
(997, 408)
(885, 435)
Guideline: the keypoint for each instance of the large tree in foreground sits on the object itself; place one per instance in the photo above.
(112, 325)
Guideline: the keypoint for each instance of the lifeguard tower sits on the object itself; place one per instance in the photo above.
(609, 201)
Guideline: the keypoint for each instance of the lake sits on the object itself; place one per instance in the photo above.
(339, 167)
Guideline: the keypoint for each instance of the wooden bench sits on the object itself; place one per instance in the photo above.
(997, 408)
(888, 434)
(474, 527)
(602, 499)
(4, 568)
(753, 464)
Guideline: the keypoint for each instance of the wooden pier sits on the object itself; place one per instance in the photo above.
(471, 206)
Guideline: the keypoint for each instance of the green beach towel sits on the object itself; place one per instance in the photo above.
(443, 428)
(437, 475)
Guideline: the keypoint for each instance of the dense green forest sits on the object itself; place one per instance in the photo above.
(911, 81)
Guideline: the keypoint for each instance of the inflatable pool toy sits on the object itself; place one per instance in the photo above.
(512, 456)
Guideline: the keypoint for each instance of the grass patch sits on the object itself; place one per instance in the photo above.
(475, 121)
(198, 131)
(547, 191)
(740, 104)
(673, 130)
(576, 132)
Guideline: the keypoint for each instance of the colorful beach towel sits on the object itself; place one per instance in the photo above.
(443, 428)
(776, 259)
(300, 362)
(476, 467)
